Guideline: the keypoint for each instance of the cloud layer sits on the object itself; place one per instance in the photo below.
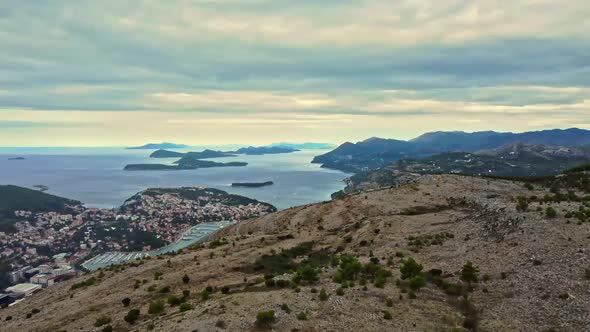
(203, 71)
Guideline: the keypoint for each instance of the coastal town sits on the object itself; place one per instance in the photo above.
(49, 246)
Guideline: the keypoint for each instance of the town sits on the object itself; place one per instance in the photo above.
(49, 247)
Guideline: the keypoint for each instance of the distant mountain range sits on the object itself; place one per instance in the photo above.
(305, 146)
(260, 150)
(153, 146)
(375, 152)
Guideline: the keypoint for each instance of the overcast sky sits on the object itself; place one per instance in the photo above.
(112, 72)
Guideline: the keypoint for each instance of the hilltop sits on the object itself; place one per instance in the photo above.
(510, 160)
(442, 253)
(375, 152)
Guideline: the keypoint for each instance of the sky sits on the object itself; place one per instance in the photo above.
(112, 72)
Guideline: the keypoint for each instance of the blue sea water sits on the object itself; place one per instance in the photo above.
(95, 176)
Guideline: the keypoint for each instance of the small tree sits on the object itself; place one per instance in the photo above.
(323, 295)
(265, 319)
(469, 273)
(126, 302)
(522, 204)
(410, 268)
(186, 279)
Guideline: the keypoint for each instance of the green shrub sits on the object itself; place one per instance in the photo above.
(186, 279)
(132, 316)
(265, 319)
(156, 307)
(469, 272)
(205, 295)
(107, 328)
(522, 203)
(165, 289)
(550, 212)
(323, 295)
(102, 320)
(173, 300)
(417, 282)
(308, 273)
(185, 307)
(452, 288)
(389, 302)
(126, 302)
(89, 282)
(302, 316)
(340, 291)
(387, 315)
(285, 308)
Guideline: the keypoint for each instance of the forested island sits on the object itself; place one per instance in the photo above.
(252, 184)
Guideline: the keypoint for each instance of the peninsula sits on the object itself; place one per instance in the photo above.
(252, 184)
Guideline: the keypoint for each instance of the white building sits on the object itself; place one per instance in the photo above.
(45, 279)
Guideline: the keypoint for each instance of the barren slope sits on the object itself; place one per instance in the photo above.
(536, 269)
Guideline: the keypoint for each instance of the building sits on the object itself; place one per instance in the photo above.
(25, 289)
(43, 279)
(18, 275)
(64, 270)
(44, 268)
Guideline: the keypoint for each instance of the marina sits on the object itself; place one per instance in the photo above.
(191, 236)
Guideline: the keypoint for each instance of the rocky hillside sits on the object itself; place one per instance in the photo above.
(444, 253)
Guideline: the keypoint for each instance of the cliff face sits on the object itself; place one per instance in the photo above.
(531, 277)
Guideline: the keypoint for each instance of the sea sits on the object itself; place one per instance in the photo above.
(95, 176)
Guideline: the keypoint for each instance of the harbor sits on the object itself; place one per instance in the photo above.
(191, 236)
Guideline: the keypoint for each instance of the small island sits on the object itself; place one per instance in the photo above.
(17, 158)
(252, 184)
(161, 153)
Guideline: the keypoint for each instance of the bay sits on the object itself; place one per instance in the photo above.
(95, 176)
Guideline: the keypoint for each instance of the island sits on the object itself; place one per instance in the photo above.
(186, 165)
(205, 154)
(163, 145)
(17, 158)
(161, 153)
(252, 184)
(261, 150)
